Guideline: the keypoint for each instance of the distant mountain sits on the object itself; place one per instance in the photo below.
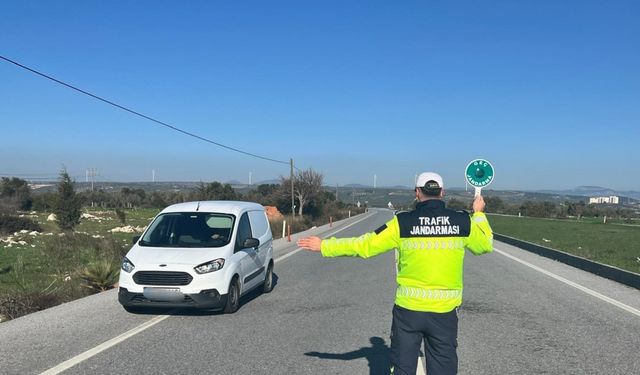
(273, 181)
(397, 187)
(594, 191)
(357, 186)
(360, 186)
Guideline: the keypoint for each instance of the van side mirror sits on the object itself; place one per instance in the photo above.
(251, 242)
(135, 239)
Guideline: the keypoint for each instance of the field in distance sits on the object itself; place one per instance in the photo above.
(613, 244)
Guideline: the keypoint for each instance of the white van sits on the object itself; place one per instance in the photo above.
(199, 254)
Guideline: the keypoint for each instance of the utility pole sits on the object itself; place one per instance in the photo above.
(293, 208)
(92, 173)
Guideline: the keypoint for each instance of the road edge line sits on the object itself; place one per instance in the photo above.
(104, 346)
(420, 370)
(571, 283)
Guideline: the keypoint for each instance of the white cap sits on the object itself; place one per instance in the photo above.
(429, 176)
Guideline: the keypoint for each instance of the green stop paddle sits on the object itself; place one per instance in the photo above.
(479, 174)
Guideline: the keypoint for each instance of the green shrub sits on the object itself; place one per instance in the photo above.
(16, 193)
(121, 216)
(16, 304)
(44, 202)
(10, 224)
(66, 268)
(71, 252)
(25, 292)
(100, 275)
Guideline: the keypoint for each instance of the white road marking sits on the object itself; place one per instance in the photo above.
(571, 283)
(104, 346)
(280, 259)
(420, 370)
(118, 339)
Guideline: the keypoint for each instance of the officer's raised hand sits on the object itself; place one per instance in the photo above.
(478, 204)
(312, 243)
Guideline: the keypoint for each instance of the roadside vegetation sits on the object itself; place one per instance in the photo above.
(604, 233)
(578, 210)
(59, 246)
(613, 244)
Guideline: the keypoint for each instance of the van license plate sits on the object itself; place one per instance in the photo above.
(163, 294)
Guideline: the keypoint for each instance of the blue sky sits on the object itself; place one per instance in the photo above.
(547, 91)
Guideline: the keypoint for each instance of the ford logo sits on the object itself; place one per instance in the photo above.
(163, 265)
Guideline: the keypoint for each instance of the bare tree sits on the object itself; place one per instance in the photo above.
(307, 185)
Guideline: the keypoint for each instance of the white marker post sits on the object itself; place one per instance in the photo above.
(479, 173)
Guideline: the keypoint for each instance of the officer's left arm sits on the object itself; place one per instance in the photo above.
(368, 245)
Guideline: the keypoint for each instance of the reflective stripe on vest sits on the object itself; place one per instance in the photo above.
(438, 294)
(432, 244)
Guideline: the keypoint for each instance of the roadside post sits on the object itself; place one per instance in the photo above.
(479, 174)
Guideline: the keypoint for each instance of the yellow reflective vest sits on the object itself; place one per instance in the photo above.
(430, 240)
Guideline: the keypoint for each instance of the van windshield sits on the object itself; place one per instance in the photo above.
(189, 229)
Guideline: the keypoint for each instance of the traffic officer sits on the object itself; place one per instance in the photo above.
(431, 240)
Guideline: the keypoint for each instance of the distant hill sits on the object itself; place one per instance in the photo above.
(398, 187)
(357, 186)
(399, 196)
(594, 191)
(360, 186)
(273, 181)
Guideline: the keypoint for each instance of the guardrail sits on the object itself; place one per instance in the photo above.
(613, 273)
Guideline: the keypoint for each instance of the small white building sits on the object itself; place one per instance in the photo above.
(609, 200)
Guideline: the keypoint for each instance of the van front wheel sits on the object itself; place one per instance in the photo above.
(233, 297)
(267, 286)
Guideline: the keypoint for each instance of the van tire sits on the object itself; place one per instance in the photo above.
(267, 285)
(233, 297)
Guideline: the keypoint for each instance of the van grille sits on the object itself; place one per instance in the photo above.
(162, 278)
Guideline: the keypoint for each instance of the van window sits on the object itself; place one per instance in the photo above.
(189, 229)
(244, 231)
(259, 223)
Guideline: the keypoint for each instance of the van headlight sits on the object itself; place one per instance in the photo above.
(211, 266)
(127, 266)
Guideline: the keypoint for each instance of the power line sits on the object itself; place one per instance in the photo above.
(140, 114)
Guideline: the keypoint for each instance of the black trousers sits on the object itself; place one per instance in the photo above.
(438, 331)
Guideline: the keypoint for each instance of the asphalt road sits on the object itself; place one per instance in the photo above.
(522, 314)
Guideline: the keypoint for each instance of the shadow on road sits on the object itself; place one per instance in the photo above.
(186, 311)
(377, 355)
